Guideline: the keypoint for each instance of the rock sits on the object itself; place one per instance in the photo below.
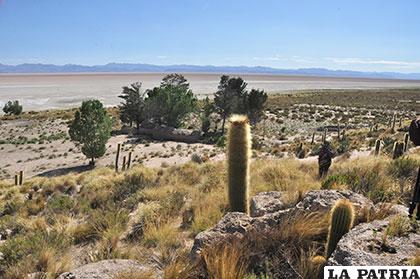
(135, 223)
(168, 133)
(266, 202)
(109, 269)
(392, 209)
(232, 224)
(323, 200)
(264, 214)
(364, 245)
(268, 213)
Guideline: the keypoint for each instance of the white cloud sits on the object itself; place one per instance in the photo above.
(161, 57)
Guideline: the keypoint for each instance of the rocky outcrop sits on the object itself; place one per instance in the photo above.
(323, 200)
(264, 206)
(370, 244)
(109, 269)
(266, 202)
(168, 133)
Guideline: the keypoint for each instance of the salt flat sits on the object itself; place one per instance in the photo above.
(48, 91)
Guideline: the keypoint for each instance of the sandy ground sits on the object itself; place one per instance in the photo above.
(59, 156)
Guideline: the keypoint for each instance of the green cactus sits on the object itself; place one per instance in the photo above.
(393, 124)
(21, 178)
(324, 137)
(406, 137)
(341, 221)
(377, 147)
(129, 160)
(313, 138)
(338, 131)
(124, 163)
(398, 150)
(117, 156)
(239, 154)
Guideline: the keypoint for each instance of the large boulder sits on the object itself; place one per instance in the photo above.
(323, 200)
(109, 269)
(268, 212)
(370, 244)
(266, 202)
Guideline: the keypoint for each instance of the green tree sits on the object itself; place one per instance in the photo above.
(170, 102)
(175, 80)
(208, 109)
(12, 107)
(230, 97)
(256, 100)
(132, 109)
(91, 127)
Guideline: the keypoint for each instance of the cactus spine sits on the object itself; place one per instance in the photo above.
(377, 147)
(239, 151)
(398, 150)
(117, 157)
(341, 221)
(406, 137)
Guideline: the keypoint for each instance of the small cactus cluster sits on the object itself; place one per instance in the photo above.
(341, 221)
(398, 150)
(239, 156)
(126, 161)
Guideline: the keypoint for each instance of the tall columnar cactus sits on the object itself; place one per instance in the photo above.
(324, 137)
(129, 160)
(398, 150)
(393, 123)
(400, 124)
(21, 178)
(341, 221)
(117, 157)
(313, 138)
(338, 131)
(377, 147)
(406, 137)
(239, 154)
(16, 179)
(124, 163)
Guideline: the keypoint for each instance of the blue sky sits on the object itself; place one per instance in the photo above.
(368, 35)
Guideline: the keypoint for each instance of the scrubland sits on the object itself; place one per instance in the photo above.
(152, 214)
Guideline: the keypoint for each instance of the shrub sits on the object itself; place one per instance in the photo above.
(12, 107)
(403, 168)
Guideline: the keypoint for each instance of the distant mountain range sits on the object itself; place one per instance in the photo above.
(127, 67)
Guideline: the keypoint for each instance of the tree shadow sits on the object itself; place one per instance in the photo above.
(64, 171)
